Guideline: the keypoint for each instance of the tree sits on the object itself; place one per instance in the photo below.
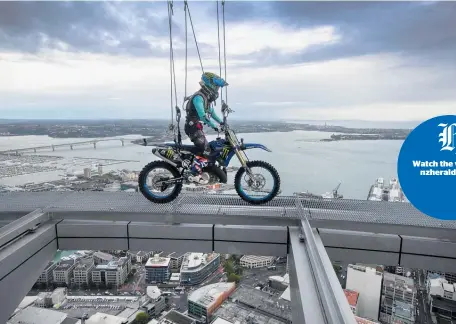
(234, 278)
(142, 318)
(228, 267)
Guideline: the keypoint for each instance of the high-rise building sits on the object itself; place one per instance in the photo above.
(157, 269)
(367, 282)
(398, 300)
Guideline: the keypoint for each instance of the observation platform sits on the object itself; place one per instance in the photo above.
(311, 231)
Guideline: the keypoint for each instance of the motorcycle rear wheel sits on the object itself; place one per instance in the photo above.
(147, 193)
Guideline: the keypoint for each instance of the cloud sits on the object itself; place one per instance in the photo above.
(285, 60)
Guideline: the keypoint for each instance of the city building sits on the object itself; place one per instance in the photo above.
(102, 318)
(449, 276)
(176, 260)
(114, 273)
(82, 272)
(278, 282)
(38, 315)
(256, 261)
(139, 256)
(398, 300)
(155, 303)
(63, 272)
(267, 304)
(102, 257)
(367, 282)
(44, 300)
(204, 301)
(46, 277)
(360, 320)
(173, 317)
(157, 269)
(220, 320)
(352, 297)
(196, 267)
(442, 298)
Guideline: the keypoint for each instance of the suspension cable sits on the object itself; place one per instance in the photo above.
(194, 36)
(173, 79)
(170, 61)
(186, 48)
(224, 47)
(219, 51)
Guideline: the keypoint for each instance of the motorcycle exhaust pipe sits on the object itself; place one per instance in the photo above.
(155, 152)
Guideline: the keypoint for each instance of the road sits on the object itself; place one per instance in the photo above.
(423, 310)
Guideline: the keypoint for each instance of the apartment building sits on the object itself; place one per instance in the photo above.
(46, 277)
(398, 300)
(63, 272)
(114, 273)
(82, 272)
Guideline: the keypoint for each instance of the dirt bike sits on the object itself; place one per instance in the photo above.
(178, 161)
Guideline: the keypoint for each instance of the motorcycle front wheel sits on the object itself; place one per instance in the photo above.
(257, 183)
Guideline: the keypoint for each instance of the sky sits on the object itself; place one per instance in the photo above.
(376, 61)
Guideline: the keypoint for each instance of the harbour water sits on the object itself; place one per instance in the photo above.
(303, 161)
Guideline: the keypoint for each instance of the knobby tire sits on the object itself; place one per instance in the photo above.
(142, 181)
(264, 165)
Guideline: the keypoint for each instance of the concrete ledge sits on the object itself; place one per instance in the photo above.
(362, 256)
(17, 252)
(170, 245)
(91, 243)
(429, 246)
(266, 234)
(169, 231)
(17, 284)
(95, 229)
(360, 240)
(266, 249)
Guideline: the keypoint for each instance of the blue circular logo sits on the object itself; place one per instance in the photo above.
(427, 167)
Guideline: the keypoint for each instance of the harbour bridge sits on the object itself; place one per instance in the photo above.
(311, 232)
(53, 147)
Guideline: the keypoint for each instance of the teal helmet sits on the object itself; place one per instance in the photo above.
(211, 82)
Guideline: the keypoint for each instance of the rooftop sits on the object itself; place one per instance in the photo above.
(37, 315)
(173, 317)
(153, 292)
(263, 301)
(400, 282)
(101, 318)
(207, 295)
(220, 320)
(112, 265)
(84, 264)
(64, 265)
(235, 313)
(139, 253)
(176, 255)
(157, 261)
(352, 297)
(256, 258)
(104, 256)
(196, 261)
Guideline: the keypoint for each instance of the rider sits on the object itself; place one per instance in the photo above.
(200, 111)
